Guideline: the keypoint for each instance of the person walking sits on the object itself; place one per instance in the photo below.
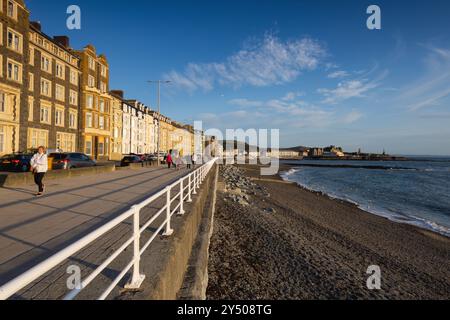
(169, 160)
(194, 159)
(39, 167)
(178, 162)
(189, 161)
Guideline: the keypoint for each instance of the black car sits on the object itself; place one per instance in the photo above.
(130, 159)
(16, 162)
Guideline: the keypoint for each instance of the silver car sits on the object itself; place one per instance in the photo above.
(65, 161)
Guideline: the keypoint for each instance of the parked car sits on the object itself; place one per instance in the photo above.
(130, 159)
(15, 162)
(143, 157)
(162, 156)
(152, 157)
(66, 161)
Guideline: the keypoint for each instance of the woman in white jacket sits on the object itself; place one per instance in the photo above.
(39, 166)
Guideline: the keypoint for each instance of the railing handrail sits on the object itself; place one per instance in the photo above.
(195, 178)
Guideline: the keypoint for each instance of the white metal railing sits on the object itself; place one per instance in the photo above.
(186, 190)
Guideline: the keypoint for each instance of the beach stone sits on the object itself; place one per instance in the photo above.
(242, 202)
(236, 191)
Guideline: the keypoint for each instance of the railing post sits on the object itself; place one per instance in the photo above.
(194, 183)
(190, 189)
(181, 212)
(198, 177)
(169, 230)
(137, 278)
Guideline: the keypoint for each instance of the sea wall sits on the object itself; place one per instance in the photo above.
(176, 266)
(11, 180)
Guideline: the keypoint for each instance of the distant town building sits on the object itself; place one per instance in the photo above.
(315, 152)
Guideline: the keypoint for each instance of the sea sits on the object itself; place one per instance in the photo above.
(415, 192)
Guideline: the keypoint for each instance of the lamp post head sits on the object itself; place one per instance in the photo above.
(159, 81)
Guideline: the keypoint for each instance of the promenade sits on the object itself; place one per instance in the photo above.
(32, 229)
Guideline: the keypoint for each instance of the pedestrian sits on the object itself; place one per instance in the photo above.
(169, 160)
(189, 161)
(178, 162)
(39, 167)
(194, 159)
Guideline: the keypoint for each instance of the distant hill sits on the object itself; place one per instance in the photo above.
(240, 145)
(237, 145)
(298, 148)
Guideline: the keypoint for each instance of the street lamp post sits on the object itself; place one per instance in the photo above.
(159, 82)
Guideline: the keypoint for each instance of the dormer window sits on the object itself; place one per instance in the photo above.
(12, 9)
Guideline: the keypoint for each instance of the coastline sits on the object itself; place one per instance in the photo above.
(312, 246)
(423, 225)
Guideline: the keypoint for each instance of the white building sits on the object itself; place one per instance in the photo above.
(130, 129)
(145, 129)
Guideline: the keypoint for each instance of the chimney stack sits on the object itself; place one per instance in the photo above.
(36, 25)
(118, 93)
(63, 41)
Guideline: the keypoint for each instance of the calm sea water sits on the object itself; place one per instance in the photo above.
(414, 192)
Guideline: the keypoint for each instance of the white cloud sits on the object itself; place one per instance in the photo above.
(269, 61)
(282, 113)
(350, 89)
(338, 74)
(291, 96)
(352, 117)
(245, 103)
(346, 90)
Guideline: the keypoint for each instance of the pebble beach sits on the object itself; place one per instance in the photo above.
(275, 240)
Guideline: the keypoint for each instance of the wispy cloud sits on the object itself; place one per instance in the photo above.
(338, 74)
(356, 88)
(245, 103)
(269, 61)
(352, 117)
(291, 96)
(346, 90)
(286, 112)
(434, 87)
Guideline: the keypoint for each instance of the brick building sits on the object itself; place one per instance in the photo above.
(95, 105)
(51, 116)
(14, 29)
(39, 85)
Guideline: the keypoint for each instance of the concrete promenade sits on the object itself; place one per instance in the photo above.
(32, 229)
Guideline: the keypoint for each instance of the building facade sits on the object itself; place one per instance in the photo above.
(14, 27)
(58, 97)
(182, 139)
(53, 94)
(166, 129)
(151, 133)
(95, 104)
(143, 130)
(39, 87)
(116, 126)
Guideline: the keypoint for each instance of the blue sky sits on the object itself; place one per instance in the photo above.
(309, 68)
